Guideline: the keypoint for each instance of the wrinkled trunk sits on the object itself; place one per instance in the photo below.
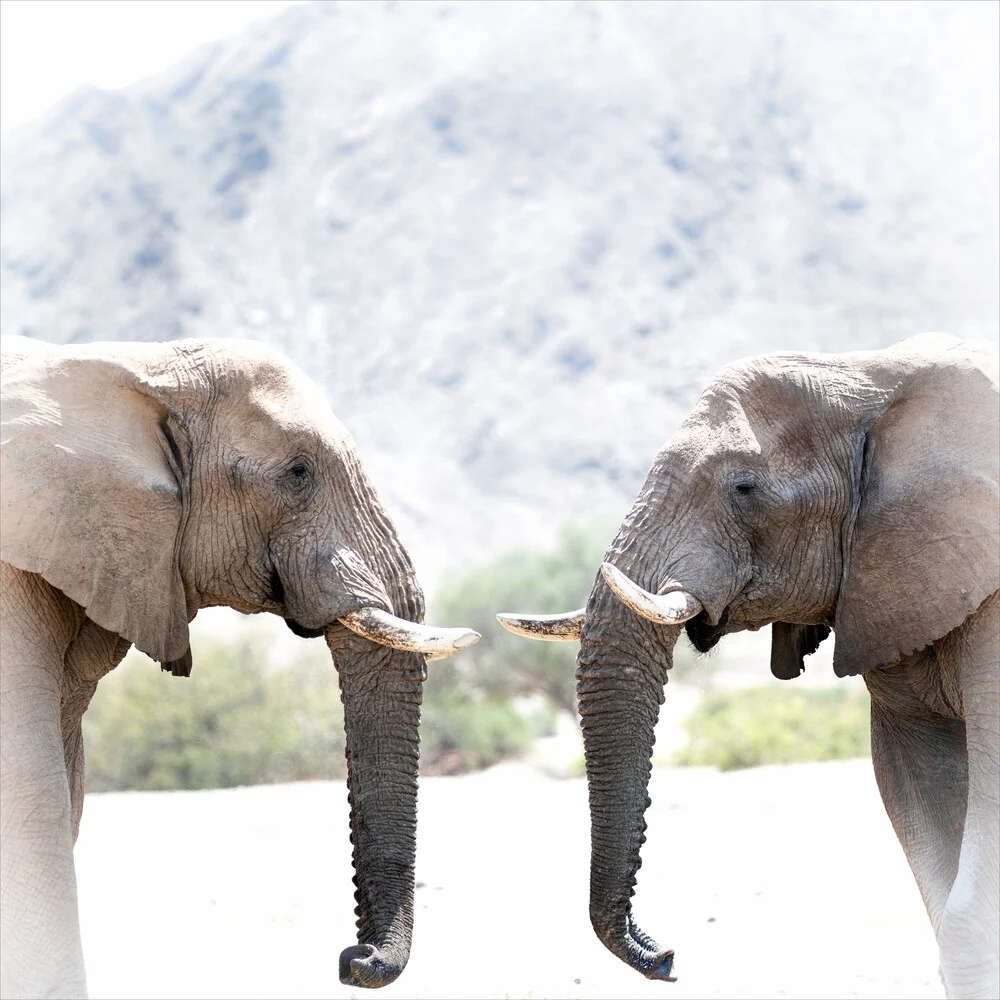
(381, 690)
(622, 669)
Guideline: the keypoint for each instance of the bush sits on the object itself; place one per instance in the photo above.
(506, 666)
(492, 701)
(771, 725)
(242, 718)
(501, 694)
(464, 729)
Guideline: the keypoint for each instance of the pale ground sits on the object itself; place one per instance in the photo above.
(780, 881)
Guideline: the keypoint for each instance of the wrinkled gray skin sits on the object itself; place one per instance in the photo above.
(852, 492)
(142, 482)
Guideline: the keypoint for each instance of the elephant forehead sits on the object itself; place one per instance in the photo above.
(789, 380)
(252, 368)
(718, 426)
(274, 397)
(770, 397)
(279, 427)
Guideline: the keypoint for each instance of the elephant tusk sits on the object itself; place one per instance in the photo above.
(398, 633)
(565, 627)
(444, 655)
(674, 608)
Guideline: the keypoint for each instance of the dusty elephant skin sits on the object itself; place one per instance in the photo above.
(855, 493)
(140, 483)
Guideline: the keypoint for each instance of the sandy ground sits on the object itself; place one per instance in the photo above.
(775, 882)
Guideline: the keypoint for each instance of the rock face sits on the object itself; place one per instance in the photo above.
(514, 239)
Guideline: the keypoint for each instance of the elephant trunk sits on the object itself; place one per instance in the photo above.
(622, 670)
(381, 689)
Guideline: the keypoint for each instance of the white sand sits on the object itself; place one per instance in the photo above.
(247, 892)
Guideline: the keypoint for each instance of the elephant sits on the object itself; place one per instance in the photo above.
(850, 492)
(142, 482)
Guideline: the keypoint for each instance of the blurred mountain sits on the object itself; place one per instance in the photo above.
(512, 239)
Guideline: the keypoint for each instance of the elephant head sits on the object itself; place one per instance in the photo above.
(146, 481)
(808, 492)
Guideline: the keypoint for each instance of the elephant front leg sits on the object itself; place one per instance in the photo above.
(40, 938)
(40, 952)
(920, 767)
(969, 934)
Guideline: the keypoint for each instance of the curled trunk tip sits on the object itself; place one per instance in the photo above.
(370, 967)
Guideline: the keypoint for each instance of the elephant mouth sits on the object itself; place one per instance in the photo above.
(704, 636)
(276, 593)
(275, 588)
(302, 631)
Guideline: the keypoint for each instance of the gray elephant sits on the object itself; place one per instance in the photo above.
(140, 483)
(853, 492)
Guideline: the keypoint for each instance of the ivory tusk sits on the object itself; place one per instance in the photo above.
(565, 627)
(398, 633)
(674, 608)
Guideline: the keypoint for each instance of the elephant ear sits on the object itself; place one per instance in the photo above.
(90, 474)
(790, 644)
(922, 549)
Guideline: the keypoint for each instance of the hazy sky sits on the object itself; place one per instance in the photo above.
(48, 48)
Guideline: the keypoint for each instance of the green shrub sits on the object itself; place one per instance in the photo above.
(464, 729)
(491, 702)
(777, 725)
(242, 717)
(506, 666)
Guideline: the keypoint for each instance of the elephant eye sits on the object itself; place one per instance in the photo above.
(299, 473)
(743, 486)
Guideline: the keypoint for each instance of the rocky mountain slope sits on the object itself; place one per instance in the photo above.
(514, 239)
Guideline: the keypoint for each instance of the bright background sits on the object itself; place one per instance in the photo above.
(512, 241)
(49, 48)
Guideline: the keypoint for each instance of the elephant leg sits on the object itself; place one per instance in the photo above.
(969, 934)
(40, 951)
(93, 653)
(920, 764)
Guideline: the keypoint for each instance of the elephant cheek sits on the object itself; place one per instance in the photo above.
(381, 690)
